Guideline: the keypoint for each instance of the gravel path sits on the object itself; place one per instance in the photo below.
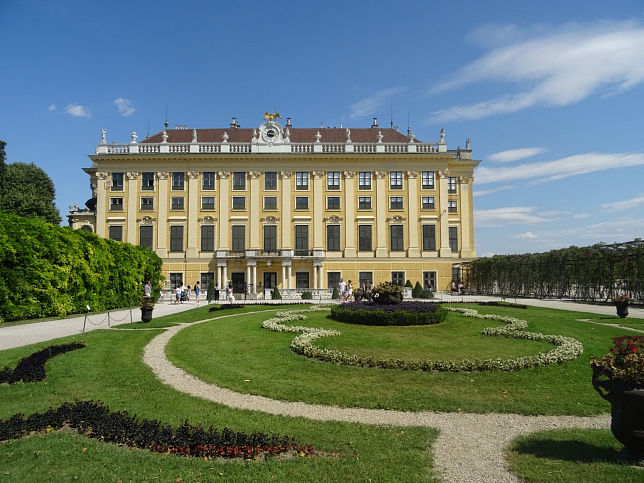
(470, 447)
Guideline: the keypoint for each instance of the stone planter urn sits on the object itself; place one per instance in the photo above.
(627, 415)
(146, 314)
(622, 309)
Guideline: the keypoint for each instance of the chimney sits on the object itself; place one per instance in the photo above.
(288, 122)
(375, 123)
(233, 123)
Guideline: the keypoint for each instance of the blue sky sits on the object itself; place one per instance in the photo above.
(551, 93)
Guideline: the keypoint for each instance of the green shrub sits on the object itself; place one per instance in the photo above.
(426, 294)
(210, 296)
(415, 292)
(407, 313)
(276, 294)
(386, 294)
(307, 295)
(335, 295)
(409, 284)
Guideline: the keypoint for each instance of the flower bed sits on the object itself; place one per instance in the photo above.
(567, 348)
(404, 313)
(96, 421)
(32, 368)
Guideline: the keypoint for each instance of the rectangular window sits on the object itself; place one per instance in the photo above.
(453, 238)
(116, 232)
(239, 202)
(301, 202)
(364, 202)
(429, 237)
(395, 180)
(270, 238)
(332, 202)
(239, 238)
(176, 280)
(208, 181)
(117, 182)
(395, 202)
(270, 180)
(398, 278)
(364, 238)
(178, 181)
(427, 180)
(206, 278)
(270, 202)
(333, 238)
(176, 202)
(116, 204)
(146, 235)
(207, 238)
(239, 180)
(333, 279)
(176, 238)
(365, 279)
(301, 181)
(301, 280)
(429, 281)
(333, 180)
(452, 206)
(207, 202)
(147, 181)
(364, 180)
(147, 203)
(301, 240)
(427, 203)
(396, 238)
(451, 186)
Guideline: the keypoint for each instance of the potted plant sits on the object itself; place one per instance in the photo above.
(147, 306)
(621, 303)
(619, 378)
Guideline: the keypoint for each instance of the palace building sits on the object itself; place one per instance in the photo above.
(288, 207)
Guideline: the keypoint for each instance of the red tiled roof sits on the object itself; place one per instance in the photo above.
(298, 135)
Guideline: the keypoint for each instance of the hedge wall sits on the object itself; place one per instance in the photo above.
(46, 270)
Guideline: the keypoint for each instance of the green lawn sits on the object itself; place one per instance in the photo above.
(237, 349)
(572, 456)
(110, 369)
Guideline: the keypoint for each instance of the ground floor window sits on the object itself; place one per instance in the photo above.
(398, 278)
(456, 274)
(429, 281)
(176, 280)
(238, 281)
(301, 279)
(270, 280)
(206, 278)
(366, 279)
(333, 279)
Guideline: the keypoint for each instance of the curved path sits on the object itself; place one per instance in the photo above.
(470, 447)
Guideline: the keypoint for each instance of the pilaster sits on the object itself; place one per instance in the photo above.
(318, 204)
(381, 211)
(255, 202)
(444, 250)
(193, 195)
(466, 217)
(131, 207)
(101, 203)
(412, 192)
(224, 203)
(286, 210)
(162, 228)
(349, 214)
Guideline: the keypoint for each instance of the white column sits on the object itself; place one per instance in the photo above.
(465, 209)
(101, 203)
(255, 203)
(248, 279)
(286, 209)
(412, 222)
(283, 276)
(193, 206)
(349, 214)
(381, 210)
(224, 204)
(254, 273)
(444, 216)
(318, 204)
(321, 282)
(315, 277)
(225, 267)
(131, 207)
(290, 274)
(162, 225)
(219, 277)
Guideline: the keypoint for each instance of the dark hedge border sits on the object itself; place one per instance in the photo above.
(226, 307)
(95, 420)
(32, 368)
(404, 313)
(510, 305)
(241, 306)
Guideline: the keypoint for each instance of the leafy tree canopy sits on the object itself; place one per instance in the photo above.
(28, 191)
(3, 156)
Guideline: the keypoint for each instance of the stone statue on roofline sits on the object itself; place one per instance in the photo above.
(442, 139)
(467, 144)
(103, 136)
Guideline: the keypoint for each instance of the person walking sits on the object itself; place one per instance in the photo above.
(197, 290)
(342, 287)
(216, 292)
(148, 289)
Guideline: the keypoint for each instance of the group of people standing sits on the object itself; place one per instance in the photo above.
(346, 291)
(183, 293)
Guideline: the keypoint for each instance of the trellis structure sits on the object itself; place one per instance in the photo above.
(594, 273)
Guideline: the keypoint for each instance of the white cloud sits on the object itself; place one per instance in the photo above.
(625, 204)
(581, 216)
(52, 108)
(124, 106)
(493, 190)
(560, 67)
(369, 105)
(560, 168)
(515, 154)
(508, 216)
(528, 235)
(77, 110)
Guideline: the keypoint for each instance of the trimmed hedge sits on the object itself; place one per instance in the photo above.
(405, 313)
(46, 270)
(307, 295)
(32, 368)
(96, 421)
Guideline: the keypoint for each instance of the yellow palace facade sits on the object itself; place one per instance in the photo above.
(280, 206)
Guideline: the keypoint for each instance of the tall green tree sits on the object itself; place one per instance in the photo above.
(3, 167)
(28, 191)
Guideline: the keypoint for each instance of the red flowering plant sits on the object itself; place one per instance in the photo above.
(624, 363)
(621, 298)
